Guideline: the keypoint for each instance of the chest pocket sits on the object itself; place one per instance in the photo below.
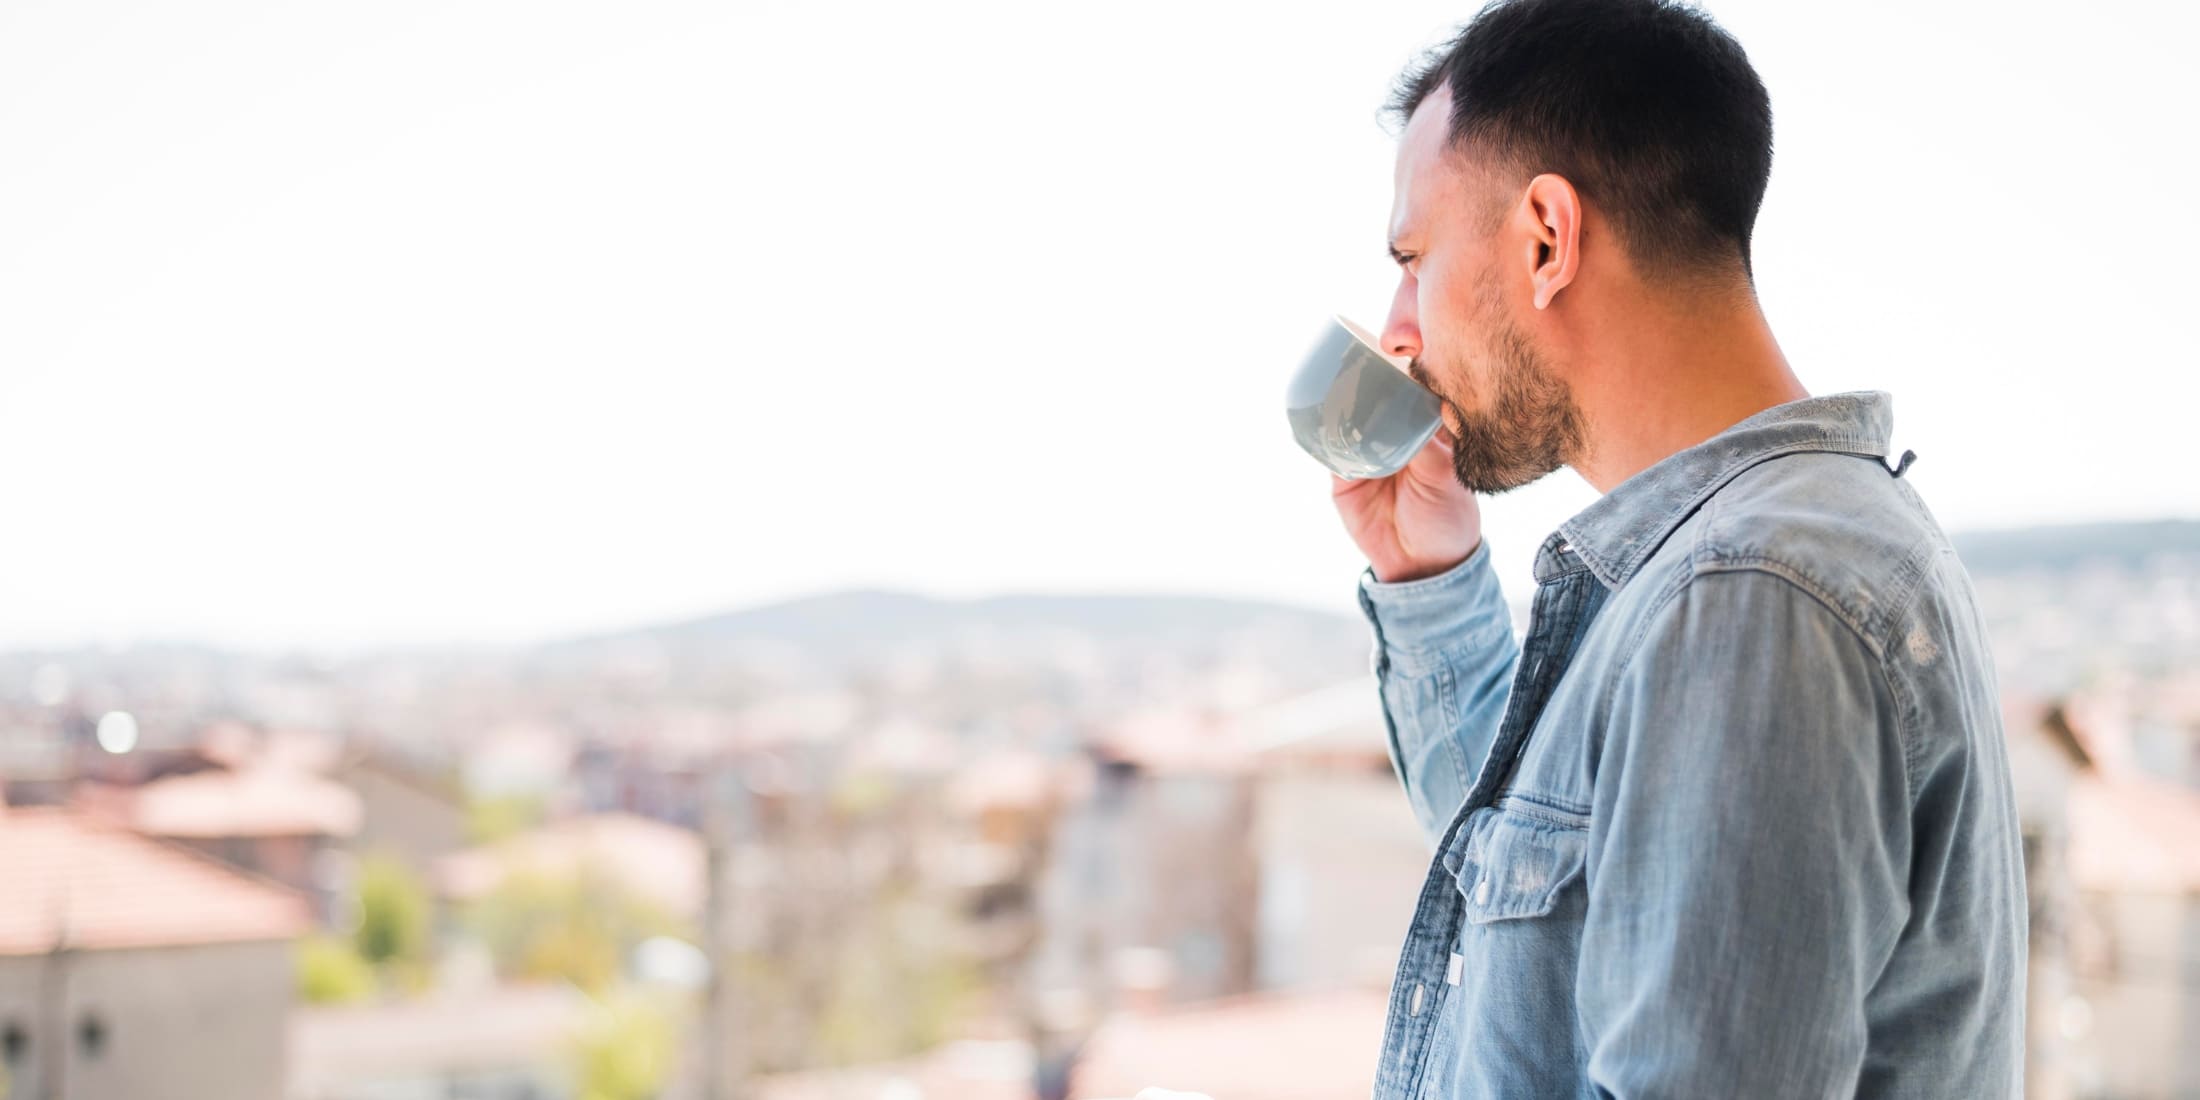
(1512, 859)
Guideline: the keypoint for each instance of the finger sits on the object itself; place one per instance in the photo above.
(1437, 452)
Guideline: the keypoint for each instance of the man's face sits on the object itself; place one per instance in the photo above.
(1463, 279)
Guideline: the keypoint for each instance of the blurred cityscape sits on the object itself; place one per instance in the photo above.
(870, 846)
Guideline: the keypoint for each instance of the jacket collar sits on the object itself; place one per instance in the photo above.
(1615, 535)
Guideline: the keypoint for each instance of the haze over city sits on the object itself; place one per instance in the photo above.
(421, 324)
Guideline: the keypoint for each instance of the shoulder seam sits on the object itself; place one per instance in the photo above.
(1788, 577)
(1910, 569)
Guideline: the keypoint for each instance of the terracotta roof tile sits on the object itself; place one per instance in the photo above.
(265, 800)
(97, 885)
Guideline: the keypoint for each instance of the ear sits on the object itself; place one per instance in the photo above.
(1552, 210)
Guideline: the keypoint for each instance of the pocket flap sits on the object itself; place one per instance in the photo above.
(1509, 864)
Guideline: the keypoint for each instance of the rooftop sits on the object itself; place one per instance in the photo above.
(77, 881)
(255, 800)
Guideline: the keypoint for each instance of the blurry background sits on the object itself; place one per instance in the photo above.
(752, 551)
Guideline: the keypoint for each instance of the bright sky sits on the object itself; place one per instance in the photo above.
(345, 324)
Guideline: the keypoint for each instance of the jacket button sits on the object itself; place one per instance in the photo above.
(1482, 892)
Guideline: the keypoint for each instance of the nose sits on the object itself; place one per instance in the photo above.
(1401, 334)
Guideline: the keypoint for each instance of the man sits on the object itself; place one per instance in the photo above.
(1734, 819)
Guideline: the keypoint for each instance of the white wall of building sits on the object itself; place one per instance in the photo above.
(171, 1023)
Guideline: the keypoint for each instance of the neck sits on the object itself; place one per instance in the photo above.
(1671, 376)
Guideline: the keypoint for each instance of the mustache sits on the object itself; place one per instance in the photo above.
(1419, 374)
(1415, 371)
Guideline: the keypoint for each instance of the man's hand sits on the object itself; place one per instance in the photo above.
(1415, 523)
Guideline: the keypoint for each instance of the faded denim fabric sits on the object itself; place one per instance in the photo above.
(1735, 818)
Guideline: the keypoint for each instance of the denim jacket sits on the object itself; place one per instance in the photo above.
(1735, 818)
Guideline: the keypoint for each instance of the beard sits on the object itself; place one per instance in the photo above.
(1531, 425)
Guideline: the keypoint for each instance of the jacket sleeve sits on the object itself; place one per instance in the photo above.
(1748, 849)
(1443, 658)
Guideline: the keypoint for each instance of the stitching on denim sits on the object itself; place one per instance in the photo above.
(1395, 748)
(1420, 661)
(1439, 896)
(1422, 587)
(1649, 618)
(1903, 701)
(1903, 584)
(1552, 801)
(1447, 710)
(1574, 864)
(1496, 631)
(1419, 1032)
(1906, 703)
(1437, 1052)
(1560, 812)
(1832, 443)
(1819, 594)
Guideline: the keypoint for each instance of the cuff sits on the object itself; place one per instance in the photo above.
(1417, 621)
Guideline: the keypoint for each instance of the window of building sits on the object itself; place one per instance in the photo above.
(91, 1036)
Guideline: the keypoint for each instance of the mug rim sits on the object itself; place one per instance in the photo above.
(1369, 340)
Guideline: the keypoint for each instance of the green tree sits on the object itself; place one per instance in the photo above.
(394, 914)
(627, 1053)
(578, 928)
(494, 817)
(331, 971)
(895, 986)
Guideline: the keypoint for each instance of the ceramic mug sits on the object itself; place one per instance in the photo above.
(1355, 409)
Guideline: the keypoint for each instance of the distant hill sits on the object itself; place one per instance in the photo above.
(856, 617)
(862, 619)
(2063, 547)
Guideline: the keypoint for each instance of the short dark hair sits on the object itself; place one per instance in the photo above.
(1648, 107)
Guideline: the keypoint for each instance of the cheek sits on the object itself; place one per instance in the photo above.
(1448, 321)
(1448, 332)
(1429, 304)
